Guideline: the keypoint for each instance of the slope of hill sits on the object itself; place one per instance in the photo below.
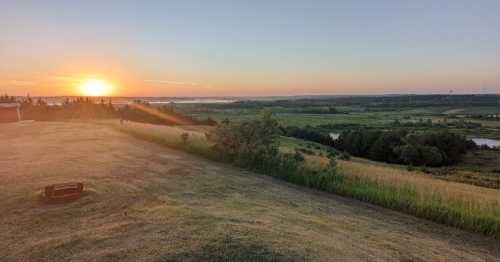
(144, 201)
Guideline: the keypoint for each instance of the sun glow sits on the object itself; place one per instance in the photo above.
(95, 87)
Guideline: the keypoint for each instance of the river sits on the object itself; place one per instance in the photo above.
(485, 141)
(478, 141)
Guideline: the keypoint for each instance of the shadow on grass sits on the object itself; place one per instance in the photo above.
(233, 249)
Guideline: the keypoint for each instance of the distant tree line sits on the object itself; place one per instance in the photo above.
(7, 99)
(86, 108)
(78, 108)
(317, 110)
(372, 103)
(140, 111)
(462, 123)
(340, 126)
(490, 116)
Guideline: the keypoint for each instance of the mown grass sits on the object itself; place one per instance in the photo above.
(234, 249)
(169, 136)
(460, 205)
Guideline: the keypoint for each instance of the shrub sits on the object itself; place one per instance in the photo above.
(345, 156)
(184, 138)
(332, 162)
(298, 157)
(332, 153)
(253, 145)
(252, 139)
(425, 170)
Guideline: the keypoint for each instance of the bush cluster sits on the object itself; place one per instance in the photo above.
(253, 145)
(428, 148)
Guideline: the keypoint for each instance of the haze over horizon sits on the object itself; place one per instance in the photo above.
(258, 48)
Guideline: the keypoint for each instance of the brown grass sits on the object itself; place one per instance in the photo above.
(147, 202)
(427, 195)
(477, 196)
(423, 183)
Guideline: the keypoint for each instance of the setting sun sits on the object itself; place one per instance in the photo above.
(95, 87)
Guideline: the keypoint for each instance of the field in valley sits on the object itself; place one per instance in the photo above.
(478, 168)
(384, 117)
(144, 201)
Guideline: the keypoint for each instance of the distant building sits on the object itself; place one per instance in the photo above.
(9, 112)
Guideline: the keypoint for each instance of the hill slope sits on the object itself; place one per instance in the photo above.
(148, 202)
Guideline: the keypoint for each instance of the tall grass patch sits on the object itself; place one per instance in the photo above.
(444, 206)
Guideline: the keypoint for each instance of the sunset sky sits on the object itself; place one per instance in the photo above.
(257, 48)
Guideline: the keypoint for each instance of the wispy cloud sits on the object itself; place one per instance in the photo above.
(22, 83)
(168, 82)
(16, 82)
(64, 78)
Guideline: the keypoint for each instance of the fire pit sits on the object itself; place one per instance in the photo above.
(64, 192)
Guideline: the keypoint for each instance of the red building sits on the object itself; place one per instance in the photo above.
(9, 112)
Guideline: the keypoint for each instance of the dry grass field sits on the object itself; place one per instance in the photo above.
(425, 185)
(441, 200)
(145, 202)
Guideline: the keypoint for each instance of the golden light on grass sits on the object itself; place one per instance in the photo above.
(95, 87)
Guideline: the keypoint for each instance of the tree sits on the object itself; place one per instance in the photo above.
(435, 148)
(419, 155)
(431, 156)
(332, 162)
(247, 142)
(383, 148)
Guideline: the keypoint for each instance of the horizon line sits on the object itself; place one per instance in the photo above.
(269, 96)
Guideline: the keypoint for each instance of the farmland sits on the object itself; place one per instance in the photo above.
(468, 116)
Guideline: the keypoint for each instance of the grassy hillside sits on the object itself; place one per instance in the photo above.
(461, 205)
(150, 203)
